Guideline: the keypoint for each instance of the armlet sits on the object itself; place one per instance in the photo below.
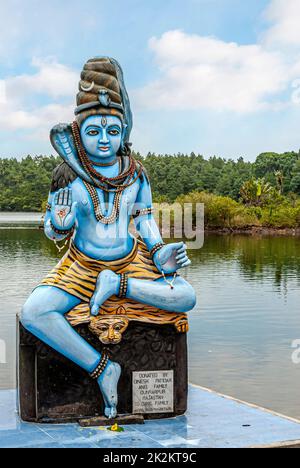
(144, 211)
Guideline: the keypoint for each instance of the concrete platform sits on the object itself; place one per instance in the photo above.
(212, 420)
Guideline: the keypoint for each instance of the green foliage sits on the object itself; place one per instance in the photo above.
(24, 184)
(295, 178)
(257, 192)
(220, 211)
(270, 186)
(268, 165)
(172, 176)
(223, 212)
(282, 217)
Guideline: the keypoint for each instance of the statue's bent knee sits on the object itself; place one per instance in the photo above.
(189, 299)
(32, 310)
(192, 298)
(28, 314)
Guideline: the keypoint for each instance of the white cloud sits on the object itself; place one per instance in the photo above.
(205, 72)
(194, 72)
(34, 27)
(2, 92)
(52, 78)
(40, 119)
(199, 72)
(29, 101)
(50, 115)
(284, 16)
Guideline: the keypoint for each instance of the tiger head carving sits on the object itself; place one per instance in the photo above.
(109, 330)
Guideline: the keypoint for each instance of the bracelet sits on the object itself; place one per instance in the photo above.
(61, 232)
(170, 283)
(156, 248)
(144, 211)
(101, 366)
(123, 285)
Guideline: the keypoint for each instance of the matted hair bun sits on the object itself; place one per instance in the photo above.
(102, 91)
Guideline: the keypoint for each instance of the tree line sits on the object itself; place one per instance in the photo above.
(172, 176)
(25, 183)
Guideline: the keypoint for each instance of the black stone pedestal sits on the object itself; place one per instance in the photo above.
(51, 389)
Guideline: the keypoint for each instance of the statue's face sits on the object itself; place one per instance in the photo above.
(101, 135)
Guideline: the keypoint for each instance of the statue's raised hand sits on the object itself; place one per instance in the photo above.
(172, 257)
(63, 210)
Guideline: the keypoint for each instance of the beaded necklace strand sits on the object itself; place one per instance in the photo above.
(97, 206)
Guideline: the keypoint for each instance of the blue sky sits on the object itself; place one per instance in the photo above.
(210, 76)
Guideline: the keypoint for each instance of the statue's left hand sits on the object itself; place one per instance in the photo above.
(63, 210)
(172, 257)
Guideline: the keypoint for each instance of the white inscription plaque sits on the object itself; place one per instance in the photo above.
(153, 392)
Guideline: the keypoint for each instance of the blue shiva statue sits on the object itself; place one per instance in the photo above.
(96, 192)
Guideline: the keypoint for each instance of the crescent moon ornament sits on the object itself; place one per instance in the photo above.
(89, 88)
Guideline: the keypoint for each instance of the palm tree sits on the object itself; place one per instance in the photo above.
(256, 192)
(280, 180)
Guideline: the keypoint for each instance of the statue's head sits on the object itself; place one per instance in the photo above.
(103, 110)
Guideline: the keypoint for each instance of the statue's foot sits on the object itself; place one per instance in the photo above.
(108, 383)
(108, 284)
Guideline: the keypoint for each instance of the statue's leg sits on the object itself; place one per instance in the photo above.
(43, 316)
(180, 298)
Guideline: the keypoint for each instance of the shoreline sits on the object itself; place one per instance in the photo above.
(255, 231)
(23, 220)
(258, 231)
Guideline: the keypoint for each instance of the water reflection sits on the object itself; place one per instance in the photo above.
(241, 330)
(259, 258)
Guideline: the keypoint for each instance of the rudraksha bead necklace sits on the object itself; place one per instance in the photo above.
(100, 164)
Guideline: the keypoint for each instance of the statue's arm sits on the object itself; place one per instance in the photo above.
(143, 216)
(168, 258)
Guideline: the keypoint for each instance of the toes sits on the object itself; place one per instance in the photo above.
(95, 310)
(110, 412)
(108, 386)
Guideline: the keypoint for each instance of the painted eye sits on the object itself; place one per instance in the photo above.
(114, 132)
(93, 132)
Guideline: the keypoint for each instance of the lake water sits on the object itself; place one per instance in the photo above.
(242, 329)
